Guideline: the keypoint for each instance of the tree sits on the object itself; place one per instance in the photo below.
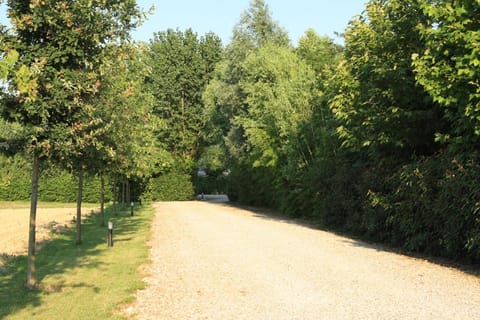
(66, 40)
(257, 28)
(380, 106)
(324, 57)
(134, 151)
(224, 97)
(278, 88)
(181, 66)
(279, 93)
(448, 67)
(261, 104)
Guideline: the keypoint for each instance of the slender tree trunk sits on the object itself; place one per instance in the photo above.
(123, 193)
(102, 200)
(79, 206)
(31, 276)
(114, 206)
(127, 193)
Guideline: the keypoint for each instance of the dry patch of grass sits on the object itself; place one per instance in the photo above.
(14, 219)
(87, 281)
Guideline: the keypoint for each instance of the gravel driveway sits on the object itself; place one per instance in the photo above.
(212, 261)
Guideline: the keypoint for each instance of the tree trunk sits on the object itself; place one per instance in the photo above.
(114, 206)
(31, 277)
(128, 195)
(102, 200)
(79, 206)
(123, 193)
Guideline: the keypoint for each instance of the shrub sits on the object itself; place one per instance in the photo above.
(170, 187)
(55, 184)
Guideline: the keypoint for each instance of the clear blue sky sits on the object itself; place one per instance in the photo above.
(219, 16)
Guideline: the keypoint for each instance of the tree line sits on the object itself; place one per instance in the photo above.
(81, 101)
(376, 137)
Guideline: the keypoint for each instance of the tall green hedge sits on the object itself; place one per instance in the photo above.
(430, 205)
(55, 185)
(15, 178)
(170, 187)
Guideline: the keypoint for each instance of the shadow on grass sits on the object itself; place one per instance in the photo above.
(59, 256)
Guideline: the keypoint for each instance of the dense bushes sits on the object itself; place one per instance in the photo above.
(15, 178)
(170, 187)
(55, 185)
(430, 205)
(435, 206)
(213, 183)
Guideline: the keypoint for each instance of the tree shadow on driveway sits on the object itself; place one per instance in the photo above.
(352, 240)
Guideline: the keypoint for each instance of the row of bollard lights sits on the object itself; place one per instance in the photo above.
(110, 226)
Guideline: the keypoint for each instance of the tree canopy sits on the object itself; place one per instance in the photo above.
(448, 68)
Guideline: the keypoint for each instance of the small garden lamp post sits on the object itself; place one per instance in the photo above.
(110, 233)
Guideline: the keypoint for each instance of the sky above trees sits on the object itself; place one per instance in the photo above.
(219, 16)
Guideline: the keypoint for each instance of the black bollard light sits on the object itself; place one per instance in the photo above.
(110, 233)
(131, 208)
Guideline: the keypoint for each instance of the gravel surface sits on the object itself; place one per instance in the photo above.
(212, 261)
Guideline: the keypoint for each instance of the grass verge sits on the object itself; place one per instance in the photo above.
(87, 281)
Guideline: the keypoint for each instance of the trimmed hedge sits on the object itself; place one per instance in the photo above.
(170, 187)
(55, 185)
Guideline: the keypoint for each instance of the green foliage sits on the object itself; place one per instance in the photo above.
(213, 158)
(321, 53)
(7, 63)
(448, 68)
(257, 28)
(56, 185)
(278, 95)
(278, 100)
(436, 206)
(224, 97)
(181, 66)
(171, 186)
(15, 178)
(380, 106)
(346, 137)
(213, 183)
(66, 41)
(123, 136)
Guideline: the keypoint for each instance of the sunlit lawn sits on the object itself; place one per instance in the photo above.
(89, 281)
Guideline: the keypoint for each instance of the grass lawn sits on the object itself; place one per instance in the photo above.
(88, 281)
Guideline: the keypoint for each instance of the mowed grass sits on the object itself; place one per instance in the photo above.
(87, 281)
